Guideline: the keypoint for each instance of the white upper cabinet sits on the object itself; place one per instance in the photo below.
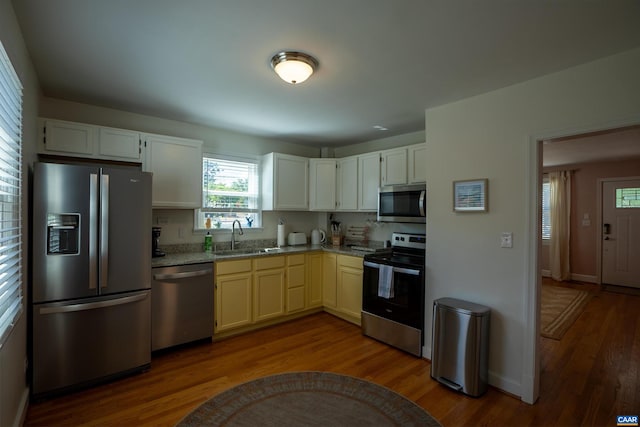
(322, 184)
(368, 181)
(89, 141)
(285, 182)
(67, 138)
(176, 164)
(347, 184)
(416, 159)
(393, 167)
(119, 144)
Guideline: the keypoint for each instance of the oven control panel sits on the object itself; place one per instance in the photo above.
(409, 240)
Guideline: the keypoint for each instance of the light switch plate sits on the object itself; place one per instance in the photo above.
(506, 239)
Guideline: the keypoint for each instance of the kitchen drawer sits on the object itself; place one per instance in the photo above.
(350, 261)
(264, 263)
(296, 259)
(232, 267)
(295, 276)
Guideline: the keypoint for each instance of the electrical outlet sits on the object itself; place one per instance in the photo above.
(506, 239)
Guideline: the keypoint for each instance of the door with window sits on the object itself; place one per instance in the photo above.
(621, 232)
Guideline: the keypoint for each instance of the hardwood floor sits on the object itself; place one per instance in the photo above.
(589, 377)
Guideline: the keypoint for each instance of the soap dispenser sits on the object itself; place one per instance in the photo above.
(208, 242)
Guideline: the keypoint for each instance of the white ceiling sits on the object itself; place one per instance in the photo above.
(382, 62)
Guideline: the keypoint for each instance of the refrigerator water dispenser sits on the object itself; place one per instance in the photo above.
(63, 234)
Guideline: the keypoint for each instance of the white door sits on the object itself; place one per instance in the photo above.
(621, 232)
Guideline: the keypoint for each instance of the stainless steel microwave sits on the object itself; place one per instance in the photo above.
(402, 203)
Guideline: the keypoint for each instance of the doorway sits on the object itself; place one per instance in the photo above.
(539, 145)
(621, 232)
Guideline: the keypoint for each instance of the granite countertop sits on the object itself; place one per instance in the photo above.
(200, 257)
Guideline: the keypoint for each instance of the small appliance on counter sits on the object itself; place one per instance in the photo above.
(318, 236)
(155, 242)
(297, 238)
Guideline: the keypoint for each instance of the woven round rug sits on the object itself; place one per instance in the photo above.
(308, 399)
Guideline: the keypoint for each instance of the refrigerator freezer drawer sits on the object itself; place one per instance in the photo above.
(80, 342)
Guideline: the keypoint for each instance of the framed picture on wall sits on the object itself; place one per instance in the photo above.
(471, 195)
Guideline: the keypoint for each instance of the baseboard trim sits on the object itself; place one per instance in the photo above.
(21, 414)
(584, 278)
(587, 278)
(506, 385)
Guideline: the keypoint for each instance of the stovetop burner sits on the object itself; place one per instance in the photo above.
(407, 251)
(397, 259)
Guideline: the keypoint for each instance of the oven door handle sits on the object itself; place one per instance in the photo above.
(400, 270)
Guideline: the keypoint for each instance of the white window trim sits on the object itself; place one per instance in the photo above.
(232, 158)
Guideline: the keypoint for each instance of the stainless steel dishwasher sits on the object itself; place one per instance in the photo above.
(181, 304)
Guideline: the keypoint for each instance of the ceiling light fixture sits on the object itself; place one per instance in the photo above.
(293, 67)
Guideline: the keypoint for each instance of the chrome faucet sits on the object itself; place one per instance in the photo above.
(233, 233)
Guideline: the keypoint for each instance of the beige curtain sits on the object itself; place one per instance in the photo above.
(559, 217)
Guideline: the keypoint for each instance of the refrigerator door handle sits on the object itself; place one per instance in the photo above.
(93, 230)
(104, 230)
(93, 305)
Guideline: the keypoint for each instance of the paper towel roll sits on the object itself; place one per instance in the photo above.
(281, 235)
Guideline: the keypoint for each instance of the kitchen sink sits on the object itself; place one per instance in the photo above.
(245, 251)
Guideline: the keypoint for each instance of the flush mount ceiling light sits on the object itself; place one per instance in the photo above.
(293, 67)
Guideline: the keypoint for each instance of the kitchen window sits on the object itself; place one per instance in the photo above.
(230, 191)
(11, 301)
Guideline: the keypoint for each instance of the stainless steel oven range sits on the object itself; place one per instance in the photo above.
(393, 293)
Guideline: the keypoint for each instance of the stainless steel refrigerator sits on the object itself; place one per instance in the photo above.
(91, 275)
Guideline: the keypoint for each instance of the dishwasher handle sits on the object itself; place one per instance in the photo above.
(182, 275)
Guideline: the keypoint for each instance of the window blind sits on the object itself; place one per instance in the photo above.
(230, 192)
(546, 209)
(11, 301)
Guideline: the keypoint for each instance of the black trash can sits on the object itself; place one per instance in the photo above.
(460, 345)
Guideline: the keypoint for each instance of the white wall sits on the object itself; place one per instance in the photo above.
(493, 136)
(380, 144)
(215, 140)
(13, 386)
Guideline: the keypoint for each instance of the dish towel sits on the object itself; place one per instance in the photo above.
(385, 281)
